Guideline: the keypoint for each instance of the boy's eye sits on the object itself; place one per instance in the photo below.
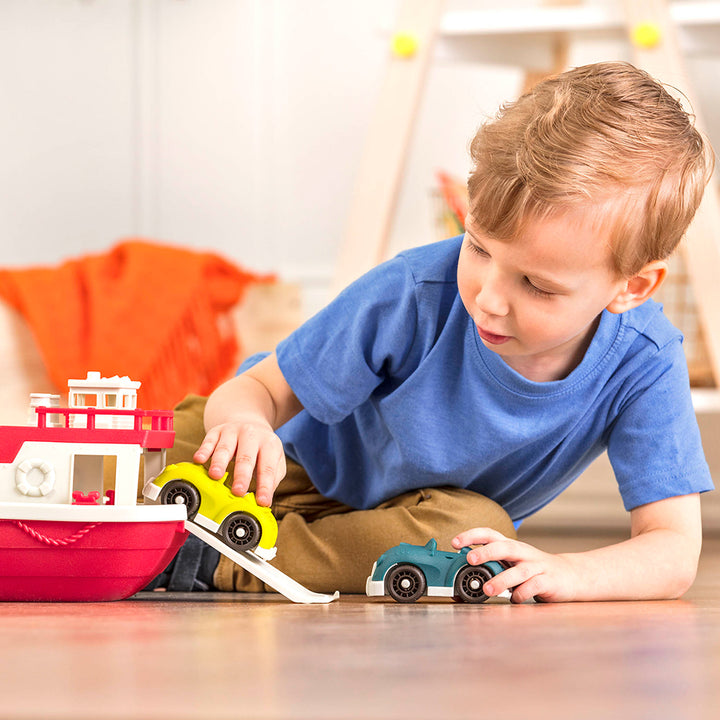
(536, 290)
(477, 249)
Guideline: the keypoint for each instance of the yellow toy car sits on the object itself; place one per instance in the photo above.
(239, 522)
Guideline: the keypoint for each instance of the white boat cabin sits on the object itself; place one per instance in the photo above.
(91, 452)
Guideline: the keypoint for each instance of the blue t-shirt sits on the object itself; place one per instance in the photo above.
(400, 394)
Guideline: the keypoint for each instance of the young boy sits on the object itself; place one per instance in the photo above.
(467, 383)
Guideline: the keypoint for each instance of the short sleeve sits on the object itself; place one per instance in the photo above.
(654, 444)
(335, 360)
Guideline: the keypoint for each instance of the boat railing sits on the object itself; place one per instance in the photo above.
(161, 420)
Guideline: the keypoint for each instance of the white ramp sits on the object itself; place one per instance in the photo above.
(270, 575)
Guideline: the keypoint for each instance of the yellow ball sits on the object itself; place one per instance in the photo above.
(404, 45)
(646, 35)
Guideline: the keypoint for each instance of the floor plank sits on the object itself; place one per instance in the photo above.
(213, 655)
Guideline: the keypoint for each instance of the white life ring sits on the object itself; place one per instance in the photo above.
(24, 469)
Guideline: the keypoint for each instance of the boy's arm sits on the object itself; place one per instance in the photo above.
(659, 561)
(241, 417)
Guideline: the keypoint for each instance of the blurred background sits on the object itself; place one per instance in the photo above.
(238, 125)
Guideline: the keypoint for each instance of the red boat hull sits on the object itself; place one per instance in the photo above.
(48, 561)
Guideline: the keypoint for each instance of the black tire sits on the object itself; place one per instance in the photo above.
(241, 531)
(469, 583)
(405, 583)
(180, 492)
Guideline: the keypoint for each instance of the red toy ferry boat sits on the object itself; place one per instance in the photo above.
(70, 525)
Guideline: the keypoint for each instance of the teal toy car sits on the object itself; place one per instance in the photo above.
(407, 572)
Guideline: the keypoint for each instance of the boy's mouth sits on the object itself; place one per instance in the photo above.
(492, 338)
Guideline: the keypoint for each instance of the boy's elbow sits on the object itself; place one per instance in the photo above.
(671, 532)
(681, 578)
(682, 582)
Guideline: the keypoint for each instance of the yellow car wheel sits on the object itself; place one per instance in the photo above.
(179, 492)
(241, 531)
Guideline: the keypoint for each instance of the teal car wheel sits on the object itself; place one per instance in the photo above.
(469, 583)
(405, 583)
(179, 492)
(241, 531)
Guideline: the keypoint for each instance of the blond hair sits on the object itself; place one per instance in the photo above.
(604, 138)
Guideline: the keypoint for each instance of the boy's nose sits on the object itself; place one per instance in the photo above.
(490, 299)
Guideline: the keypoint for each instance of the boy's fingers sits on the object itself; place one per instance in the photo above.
(219, 446)
(269, 470)
(252, 451)
(244, 451)
(245, 461)
(201, 455)
(477, 536)
(513, 577)
(206, 446)
(219, 462)
(511, 551)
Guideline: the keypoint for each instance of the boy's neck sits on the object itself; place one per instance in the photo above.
(555, 365)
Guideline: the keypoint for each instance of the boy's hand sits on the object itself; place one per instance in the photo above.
(533, 573)
(254, 447)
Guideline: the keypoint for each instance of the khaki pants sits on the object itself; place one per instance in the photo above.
(328, 546)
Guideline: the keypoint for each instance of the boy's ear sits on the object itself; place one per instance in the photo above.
(640, 287)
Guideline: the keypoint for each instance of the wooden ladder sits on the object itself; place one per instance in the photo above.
(366, 239)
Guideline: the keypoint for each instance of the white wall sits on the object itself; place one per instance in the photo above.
(66, 132)
(234, 125)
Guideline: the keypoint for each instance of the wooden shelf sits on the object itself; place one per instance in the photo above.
(548, 19)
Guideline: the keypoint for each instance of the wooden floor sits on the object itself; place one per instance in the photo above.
(232, 656)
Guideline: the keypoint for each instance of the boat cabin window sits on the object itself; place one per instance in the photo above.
(92, 477)
(85, 400)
